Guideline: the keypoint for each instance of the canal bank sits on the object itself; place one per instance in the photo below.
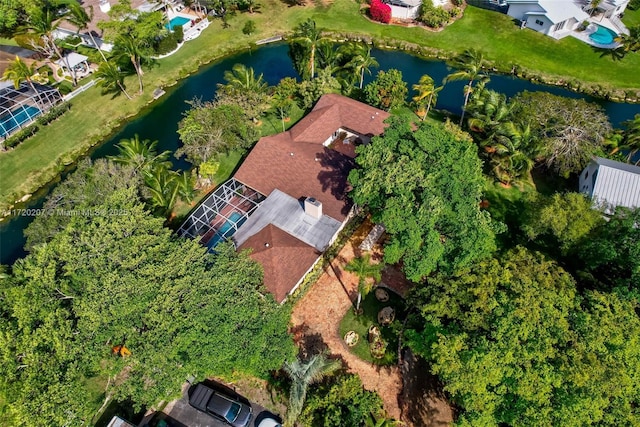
(160, 120)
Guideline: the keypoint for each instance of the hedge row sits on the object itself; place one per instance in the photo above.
(42, 120)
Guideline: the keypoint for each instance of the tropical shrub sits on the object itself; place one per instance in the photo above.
(380, 12)
(249, 28)
(343, 403)
(434, 17)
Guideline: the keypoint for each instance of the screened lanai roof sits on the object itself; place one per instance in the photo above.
(221, 213)
(19, 107)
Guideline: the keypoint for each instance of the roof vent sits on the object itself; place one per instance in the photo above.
(313, 207)
(266, 245)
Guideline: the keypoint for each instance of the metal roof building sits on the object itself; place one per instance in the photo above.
(611, 184)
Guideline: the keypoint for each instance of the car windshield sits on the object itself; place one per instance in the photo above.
(233, 412)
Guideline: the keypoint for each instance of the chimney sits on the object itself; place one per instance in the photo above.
(313, 207)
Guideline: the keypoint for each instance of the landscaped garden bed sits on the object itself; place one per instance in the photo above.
(365, 323)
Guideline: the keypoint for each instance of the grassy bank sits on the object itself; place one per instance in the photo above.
(93, 117)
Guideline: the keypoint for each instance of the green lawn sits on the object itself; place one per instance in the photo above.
(371, 306)
(631, 17)
(94, 117)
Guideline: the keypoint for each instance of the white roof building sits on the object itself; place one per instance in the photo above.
(611, 184)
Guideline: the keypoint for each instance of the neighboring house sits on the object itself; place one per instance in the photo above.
(404, 9)
(555, 18)
(409, 9)
(560, 18)
(611, 184)
(100, 9)
(288, 200)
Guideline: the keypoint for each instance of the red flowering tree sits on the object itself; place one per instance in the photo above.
(380, 12)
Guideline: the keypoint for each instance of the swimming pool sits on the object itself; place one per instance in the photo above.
(176, 21)
(603, 35)
(9, 123)
(226, 230)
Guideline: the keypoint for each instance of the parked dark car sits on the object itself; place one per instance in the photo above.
(221, 406)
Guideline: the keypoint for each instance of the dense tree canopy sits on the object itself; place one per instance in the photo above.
(115, 277)
(564, 219)
(569, 131)
(208, 130)
(343, 403)
(516, 345)
(424, 185)
(387, 91)
(610, 257)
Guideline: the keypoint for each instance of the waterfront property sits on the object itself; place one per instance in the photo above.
(596, 25)
(611, 184)
(290, 194)
(20, 107)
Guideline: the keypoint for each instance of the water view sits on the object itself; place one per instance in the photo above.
(160, 122)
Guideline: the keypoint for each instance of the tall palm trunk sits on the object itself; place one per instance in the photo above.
(361, 77)
(122, 88)
(429, 104)
(138, 67)
(313, 60)
(466, 101)
(93, 40)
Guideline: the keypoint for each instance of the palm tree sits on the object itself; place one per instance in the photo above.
(44, 22)
(19, 71)
(141, 155)
(303, 374)
(363, 268)
(426, 90)
(470, 66)
(630, 42)
(374, 420)
(80, 18)
(327, 56)
(631, 140)
(127, 46)
(111, 78)
(308, 35)
(163, 187)
(243, 79)
(185, 183)
(360, 60)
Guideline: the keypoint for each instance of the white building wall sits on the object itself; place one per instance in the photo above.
(539, 23)
(518, 10)
(399, 12)
(587, 179)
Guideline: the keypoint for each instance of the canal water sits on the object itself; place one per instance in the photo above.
(160, 121)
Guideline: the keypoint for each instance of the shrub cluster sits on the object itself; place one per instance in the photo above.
(434, 17)
(380, 12)
(170, 41)
(43, 120)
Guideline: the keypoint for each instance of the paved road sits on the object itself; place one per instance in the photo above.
(180, 414)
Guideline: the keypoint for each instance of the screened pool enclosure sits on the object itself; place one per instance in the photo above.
(20, 107)
(222, 213)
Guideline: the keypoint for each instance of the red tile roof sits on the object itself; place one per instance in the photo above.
(285, 259)
(297, 163)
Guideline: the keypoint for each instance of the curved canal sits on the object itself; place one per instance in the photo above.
(160, 121)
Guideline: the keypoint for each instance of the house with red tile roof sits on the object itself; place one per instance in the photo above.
(288, 200)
